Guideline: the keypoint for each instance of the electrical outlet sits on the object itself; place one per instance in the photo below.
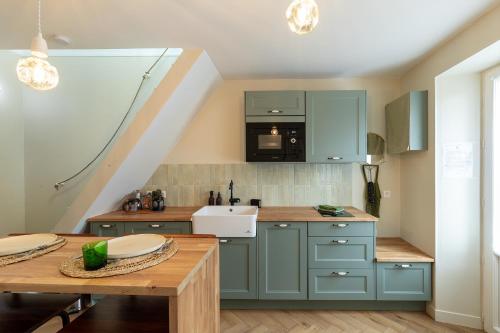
(386, 194)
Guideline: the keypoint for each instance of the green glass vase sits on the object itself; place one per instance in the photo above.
(95, 255)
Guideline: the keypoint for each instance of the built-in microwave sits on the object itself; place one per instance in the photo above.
(275, 142)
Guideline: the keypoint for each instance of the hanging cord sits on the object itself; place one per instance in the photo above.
(39, 16)
(146, 76)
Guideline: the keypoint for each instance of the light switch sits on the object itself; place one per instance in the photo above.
(386, 194)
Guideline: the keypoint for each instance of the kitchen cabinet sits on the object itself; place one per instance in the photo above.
(341, 229)
(341, 252)
(282, 256)
(404, 281)
(352, 284)
(274, 103)
(406, 123)
(238, 268)
(158, 227)
(336, 126)
(107, 229)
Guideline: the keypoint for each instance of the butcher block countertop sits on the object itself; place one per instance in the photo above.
(271, 214)
(398, 250)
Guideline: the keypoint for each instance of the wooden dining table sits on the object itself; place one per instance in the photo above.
(189, 281)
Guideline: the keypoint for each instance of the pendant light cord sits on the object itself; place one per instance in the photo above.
(39, 16)
(146, 76)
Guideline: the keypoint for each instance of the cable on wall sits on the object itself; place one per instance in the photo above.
(146, 76)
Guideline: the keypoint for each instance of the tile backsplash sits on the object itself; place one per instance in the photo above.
(275, 184)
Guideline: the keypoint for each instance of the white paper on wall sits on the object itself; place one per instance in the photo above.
(458, 160)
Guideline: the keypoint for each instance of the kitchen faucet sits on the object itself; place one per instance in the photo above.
(232, 200)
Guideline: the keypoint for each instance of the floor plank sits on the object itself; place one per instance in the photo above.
(319, 321)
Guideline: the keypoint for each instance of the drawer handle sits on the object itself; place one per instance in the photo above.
(275, 111)
(224, 241)
(282, 225)
(340, 225)
(154, 225)
(402, 266)
(340, 241)
(335, 158)
(107, 226)
(340, 273)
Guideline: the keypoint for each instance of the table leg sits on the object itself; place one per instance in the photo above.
(197, 308)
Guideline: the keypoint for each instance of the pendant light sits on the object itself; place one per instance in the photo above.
(35, 71)
(302, 16)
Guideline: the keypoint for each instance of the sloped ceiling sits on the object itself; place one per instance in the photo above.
(250, 38)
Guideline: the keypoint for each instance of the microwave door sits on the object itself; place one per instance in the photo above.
(268, 143)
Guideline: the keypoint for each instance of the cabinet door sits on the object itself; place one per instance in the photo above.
(274, 103)
(158, 227)
(336, 126)
(341, 252)
(107, 229)
(404, 281)
(341, 284)
(238, 268)
(282, 260)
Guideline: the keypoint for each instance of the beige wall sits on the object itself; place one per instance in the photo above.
(417, 170)
(11, 148)
(216, 134)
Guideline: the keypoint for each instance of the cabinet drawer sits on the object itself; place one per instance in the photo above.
(341, 252)
(341, 284)
(404, 281)
(158, 227)
(107, 229)
(238, 268)
(275, 103)
(341, 229)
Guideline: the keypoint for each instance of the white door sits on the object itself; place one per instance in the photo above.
(491, 200)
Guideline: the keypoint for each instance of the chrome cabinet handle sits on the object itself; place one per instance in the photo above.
(154, 225)
(107, 226)
(340, 241)
(275, 111)
(402, 266)
(224, 241)
(340, 273)
(335, 158)
(282, 225)
(340, 225)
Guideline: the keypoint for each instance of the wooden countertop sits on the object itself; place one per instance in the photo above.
(288, 214)
(398, 250)
(169, 278)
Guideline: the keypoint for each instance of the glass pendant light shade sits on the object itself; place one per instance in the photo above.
(37, 73)
(302, 16)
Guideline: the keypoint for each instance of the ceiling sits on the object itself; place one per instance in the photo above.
(250, 38)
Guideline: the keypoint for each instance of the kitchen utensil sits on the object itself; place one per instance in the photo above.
(95, 255)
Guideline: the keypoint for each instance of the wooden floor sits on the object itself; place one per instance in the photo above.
(277, 321)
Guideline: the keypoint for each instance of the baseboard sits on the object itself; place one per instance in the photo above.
(430, 310)
(455, 318)
(325, 305)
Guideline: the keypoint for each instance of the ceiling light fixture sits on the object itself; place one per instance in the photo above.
(35, 71)
(302, 16)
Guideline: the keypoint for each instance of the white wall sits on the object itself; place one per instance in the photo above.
(216, 134)
(66, 127)
(11, 148)
(458, 214)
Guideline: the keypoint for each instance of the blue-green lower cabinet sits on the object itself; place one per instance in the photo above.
(404, 281)
(158, 227)
(341, 252)
(238, 268)
(341, 284)
(107, 229)
(282, 253)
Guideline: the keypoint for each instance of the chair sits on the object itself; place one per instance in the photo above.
(123, 314)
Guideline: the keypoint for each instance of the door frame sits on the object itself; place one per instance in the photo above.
(490, 256)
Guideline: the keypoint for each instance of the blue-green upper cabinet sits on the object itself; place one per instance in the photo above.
(275, 103)
(336, 126)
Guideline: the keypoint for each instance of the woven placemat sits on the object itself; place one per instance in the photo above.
(39, 251)
(73, 267)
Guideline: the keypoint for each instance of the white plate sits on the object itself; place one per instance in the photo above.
(19, 244)
(134, 245)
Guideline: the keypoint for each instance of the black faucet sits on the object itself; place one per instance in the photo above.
(232, 200)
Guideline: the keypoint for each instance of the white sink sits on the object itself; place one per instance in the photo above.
(226, 221)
